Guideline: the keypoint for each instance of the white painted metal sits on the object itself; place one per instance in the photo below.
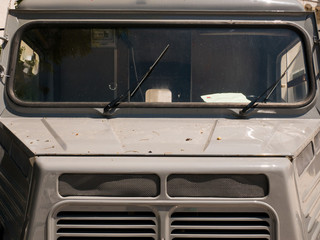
(85, 136)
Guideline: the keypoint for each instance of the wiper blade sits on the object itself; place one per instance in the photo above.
(115, 102)
(267, 93)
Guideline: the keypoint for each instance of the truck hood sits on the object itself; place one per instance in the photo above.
(162, 136)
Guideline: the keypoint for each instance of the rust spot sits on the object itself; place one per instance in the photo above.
(156, 133)
(150, 151)
(134, 151)
(290, 158)
(144, 139)
(308, 7)
(219, 138)
(188, 139)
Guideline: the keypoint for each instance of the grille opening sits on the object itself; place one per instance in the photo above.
(106, 225)
(66, 214)
(99, 230)
(221, 238)
(109, 185)
(220, 223)
(105, 222)
(219, 215)
(107, 238)
(219, 231)
(218, 185)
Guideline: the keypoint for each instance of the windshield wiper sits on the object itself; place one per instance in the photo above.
(115, 102)
(267, 93)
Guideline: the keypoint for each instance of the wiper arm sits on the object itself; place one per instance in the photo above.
(267, 93)
(115, 102)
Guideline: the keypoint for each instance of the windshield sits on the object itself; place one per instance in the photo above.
(203, 64)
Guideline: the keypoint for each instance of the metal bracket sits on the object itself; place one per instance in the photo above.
(5, 39)
(316, 40)
(2, 74)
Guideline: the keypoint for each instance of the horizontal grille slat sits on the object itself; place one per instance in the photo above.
(221, 236)
(121, 222)
(220, 231)
(219, 214)
(106, 225)
(104, 238)
(97, 218)
(94, 226)
(105, 214)
(220, 225)
(217, 227)
(244, 219)
(85, 234)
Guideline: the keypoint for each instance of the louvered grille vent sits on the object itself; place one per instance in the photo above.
(109, 185)
(218, 185)
(213, 225)
(106, 225)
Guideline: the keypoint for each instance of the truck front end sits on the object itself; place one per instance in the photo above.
(160, 120)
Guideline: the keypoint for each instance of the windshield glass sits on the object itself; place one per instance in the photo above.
(202, 64)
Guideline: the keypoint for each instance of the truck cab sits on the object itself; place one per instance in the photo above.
(159, 120)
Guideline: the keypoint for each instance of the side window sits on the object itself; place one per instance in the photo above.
(28, 76)
(294, 85)
(29, 58)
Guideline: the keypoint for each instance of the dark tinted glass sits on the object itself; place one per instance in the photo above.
(96, 64)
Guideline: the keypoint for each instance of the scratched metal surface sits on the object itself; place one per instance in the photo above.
(85, 136)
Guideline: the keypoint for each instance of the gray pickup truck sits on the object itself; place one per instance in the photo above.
(160, 120)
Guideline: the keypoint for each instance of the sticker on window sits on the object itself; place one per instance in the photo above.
(101, 38)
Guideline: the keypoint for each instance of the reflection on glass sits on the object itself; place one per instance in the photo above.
(205, 65)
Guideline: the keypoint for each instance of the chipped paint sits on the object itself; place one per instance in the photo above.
(83, 136)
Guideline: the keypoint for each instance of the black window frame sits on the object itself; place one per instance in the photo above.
(305, 39)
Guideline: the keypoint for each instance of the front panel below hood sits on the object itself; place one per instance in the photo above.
(132, 136)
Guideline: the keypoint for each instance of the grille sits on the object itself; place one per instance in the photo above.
(218, 185)
(106, 225)
(109, 185)
(14, 186)
(220, 225)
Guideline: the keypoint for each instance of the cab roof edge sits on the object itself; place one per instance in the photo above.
(163, 5)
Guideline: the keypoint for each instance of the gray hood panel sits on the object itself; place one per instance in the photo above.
(221, 137)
